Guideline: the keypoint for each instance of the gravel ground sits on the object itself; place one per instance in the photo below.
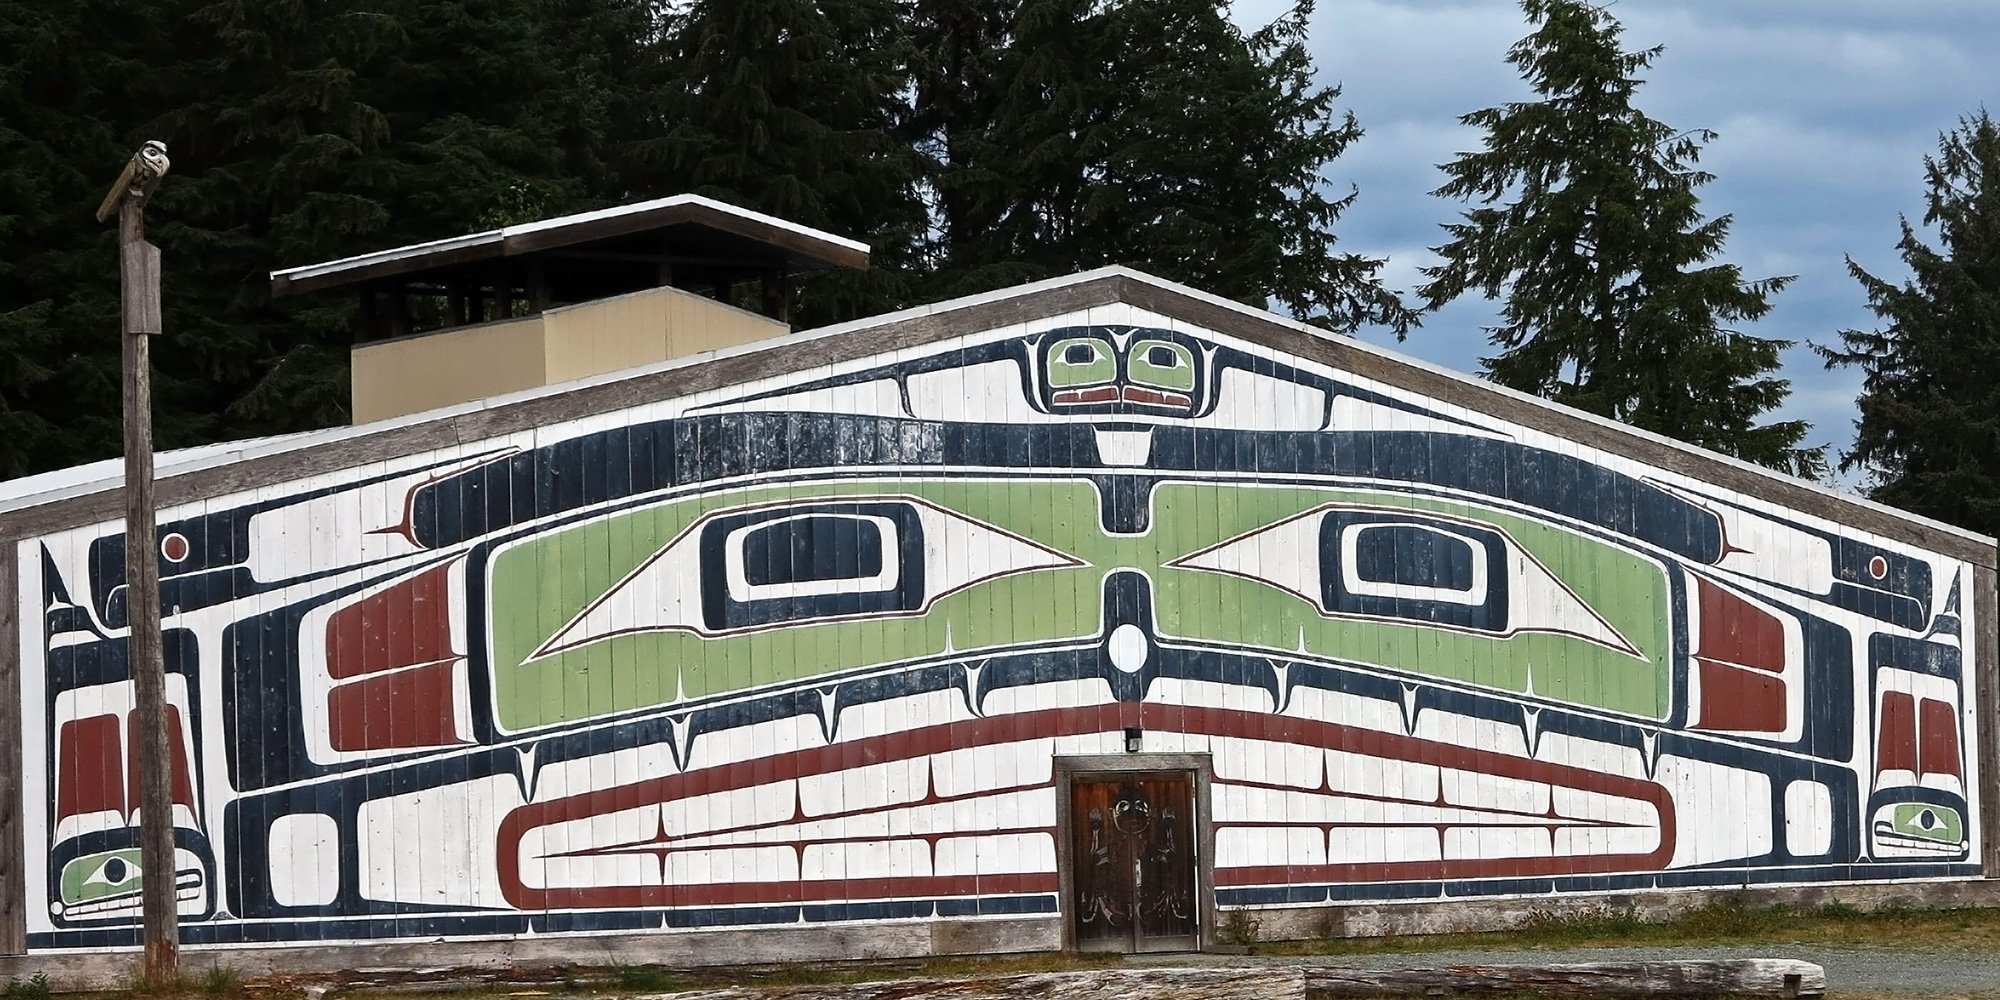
(1942, 972)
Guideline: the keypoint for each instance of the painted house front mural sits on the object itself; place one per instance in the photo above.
(825, 647)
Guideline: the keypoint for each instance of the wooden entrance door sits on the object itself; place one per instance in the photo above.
(1132, 845)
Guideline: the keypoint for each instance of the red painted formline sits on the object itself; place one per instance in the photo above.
(1735, 631)
(1896, 734)
(1937, 752)
(401, 626)
(1739, 700)
(1044, 725)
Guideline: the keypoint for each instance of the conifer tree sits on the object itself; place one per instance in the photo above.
(320, 131)
(1930, 401)
(791, 107)
(298, 132)
(59, 349)
(973, 143)
(1588, 229)
(1068, 134)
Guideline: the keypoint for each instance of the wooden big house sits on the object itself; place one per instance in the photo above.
(1098, 614)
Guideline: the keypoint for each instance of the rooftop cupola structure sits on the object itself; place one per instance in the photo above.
(530, 305)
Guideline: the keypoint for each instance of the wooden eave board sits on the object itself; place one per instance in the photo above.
(801, 248)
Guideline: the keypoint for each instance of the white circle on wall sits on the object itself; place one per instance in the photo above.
(1128, 648)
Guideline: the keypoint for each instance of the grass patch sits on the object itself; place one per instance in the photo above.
(35, 987)
(1723, 922)
(221, 981)
(640, 979)
(145, 987)
(1017, 965)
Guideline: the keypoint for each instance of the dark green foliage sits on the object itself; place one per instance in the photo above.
(58, 287)
(300, 131)
(1930, 400)
(1588, 229)
(790, 107)
(974, 144)
(337, 130)
(1069, 134)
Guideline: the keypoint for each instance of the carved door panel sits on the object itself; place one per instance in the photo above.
(1132, 843)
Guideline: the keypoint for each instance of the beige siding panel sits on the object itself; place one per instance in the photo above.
(395, 377)
(644, 328)
(412, 374)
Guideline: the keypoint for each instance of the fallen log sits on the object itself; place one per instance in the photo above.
(1287, 983)
(1748, 977)
(1754, 977)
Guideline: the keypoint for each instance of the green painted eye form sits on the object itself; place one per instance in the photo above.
(98, 876)
(1929, 822)
(1080, 361)
(1162, 365)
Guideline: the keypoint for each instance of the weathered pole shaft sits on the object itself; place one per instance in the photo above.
(140, 290)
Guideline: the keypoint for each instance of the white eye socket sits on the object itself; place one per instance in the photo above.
(114, 873)
(1420, 569)
(812, 555)
(1414, 562)
(803, 563)
(1079, 354)
(1376, 564)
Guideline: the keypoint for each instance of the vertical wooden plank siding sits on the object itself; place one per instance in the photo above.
(1986, 626)
(13, 861)
(820, 635)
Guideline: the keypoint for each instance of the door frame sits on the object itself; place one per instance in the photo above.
(1071, 769)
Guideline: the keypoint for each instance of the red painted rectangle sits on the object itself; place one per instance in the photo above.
(1937, 749)
(1740, 700)
(1896, 734)
(1735, 631)
(90, 766)
(409, 708)
(402, 626)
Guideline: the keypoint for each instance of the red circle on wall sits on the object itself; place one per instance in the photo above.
(1878, 567)
(174, 547)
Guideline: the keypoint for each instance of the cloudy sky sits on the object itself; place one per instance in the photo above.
(1824, 109)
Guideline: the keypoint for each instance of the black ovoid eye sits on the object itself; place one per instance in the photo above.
(812, 549)
(1079, 354)
(825, 561)
(1163, 357)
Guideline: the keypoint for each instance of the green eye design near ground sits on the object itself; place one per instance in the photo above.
(99, 877)
(1162, 365)
(1924, 821)
(1080, 361)
(544, 586)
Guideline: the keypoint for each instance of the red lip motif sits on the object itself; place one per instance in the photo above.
(631, 846)
(1158, 397)
(1129, 394)
(1080, 397)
